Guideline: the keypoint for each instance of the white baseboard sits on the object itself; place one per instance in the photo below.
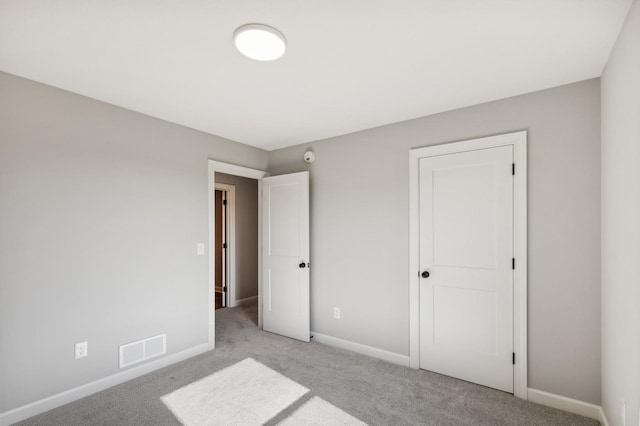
(603, 418)
(246, 301)
(567, 404)
(361, 349)
(62, 398)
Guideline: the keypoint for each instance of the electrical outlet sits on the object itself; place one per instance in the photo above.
(82, 350)
(336, 313)
(200, 249)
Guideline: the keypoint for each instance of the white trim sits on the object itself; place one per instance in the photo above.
(260, 254)
(62, 398)
(230, 267)
(567, 404)
(211, 300)
(519, 142)
(361, 349)
(246, 301)
(603, 418)
(520, 381)
(231, 169)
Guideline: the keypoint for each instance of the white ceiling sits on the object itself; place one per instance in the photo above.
(350, 65)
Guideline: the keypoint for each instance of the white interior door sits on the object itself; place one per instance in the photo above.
(285, 301)
(466, 251)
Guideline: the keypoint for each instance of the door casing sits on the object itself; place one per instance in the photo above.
(519, 142)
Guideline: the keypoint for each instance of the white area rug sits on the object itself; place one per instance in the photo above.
(246, 393)
(318, 412)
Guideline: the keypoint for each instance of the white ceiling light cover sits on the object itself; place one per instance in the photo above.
(260, 42)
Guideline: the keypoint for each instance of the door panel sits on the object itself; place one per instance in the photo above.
(283, 291)
(284, 217)
(457, 191)
(452, 307)
(285, 304)
(466, 245)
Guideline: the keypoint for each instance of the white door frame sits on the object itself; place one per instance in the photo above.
(518, 141)
(229, 225)
(230, 169)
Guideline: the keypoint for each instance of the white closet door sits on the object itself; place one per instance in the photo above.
(466, 251)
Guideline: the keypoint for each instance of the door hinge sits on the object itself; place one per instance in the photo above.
(224, 289)
(513, 358)
(224, 245)
(513, 263)
(513, 168)
(224, 202)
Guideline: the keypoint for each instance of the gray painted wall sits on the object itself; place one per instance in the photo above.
(359, 228)
(101, 209)
(621, 225)
(246, 248)
(100, 212)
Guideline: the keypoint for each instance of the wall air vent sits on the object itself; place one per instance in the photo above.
(142, 350)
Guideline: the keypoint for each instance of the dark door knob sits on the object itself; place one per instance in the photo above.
(302, 265)
(425, 274)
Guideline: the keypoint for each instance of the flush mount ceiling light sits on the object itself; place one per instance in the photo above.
(260, 42)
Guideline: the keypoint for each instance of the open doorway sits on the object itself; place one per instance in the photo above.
(234, 258)
(236, 241)
(283, 227)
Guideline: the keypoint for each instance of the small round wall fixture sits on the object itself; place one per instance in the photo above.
(260, 42)
(309, 157)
